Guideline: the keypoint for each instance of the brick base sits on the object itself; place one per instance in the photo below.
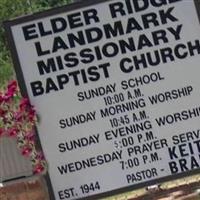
(28, 190)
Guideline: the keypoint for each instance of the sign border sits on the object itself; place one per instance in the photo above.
(20, 78)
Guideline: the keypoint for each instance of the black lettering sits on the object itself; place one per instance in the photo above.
(117, 8)
(73, 39)
(158, 36)
(93, 34)
(50, 85)
(172, 152)
(192, 47)
(158, 3)
(123, 68)
(71, 59)
(42, 30)
(29, 32)
(166, 15)
(58, 43)
(150, 18)
(87, 56)
(62, 80)
(39, 50)
(177, 51)
(49, 66)
(110, 49)
(94, 74)
(140, 5)
(133, 25)
(75, 20)
(90, 15)
(173, 167)
(114, 31)
(104, 67)
(58, 24)
(37, 88)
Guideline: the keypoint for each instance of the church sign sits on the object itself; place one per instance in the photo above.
(116, 85)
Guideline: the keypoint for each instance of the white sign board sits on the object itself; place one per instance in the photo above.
(116, 85)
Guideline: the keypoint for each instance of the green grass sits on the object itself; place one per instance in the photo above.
(6, 72)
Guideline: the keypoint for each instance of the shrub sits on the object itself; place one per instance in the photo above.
(17, 120)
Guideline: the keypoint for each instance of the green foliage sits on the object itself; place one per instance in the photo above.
(9, 9)
(6, 73)
(52, 3)
(15, 8)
